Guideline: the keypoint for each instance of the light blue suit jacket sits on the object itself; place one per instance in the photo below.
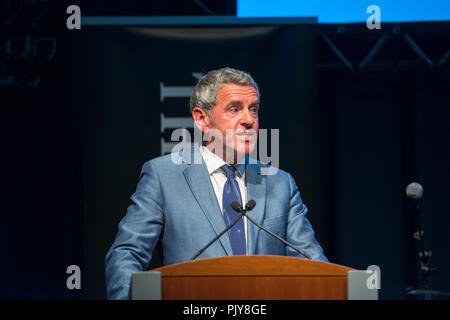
(177, 203)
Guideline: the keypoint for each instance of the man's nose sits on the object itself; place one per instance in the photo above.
(247, 118)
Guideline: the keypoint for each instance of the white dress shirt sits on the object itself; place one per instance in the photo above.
(218, 179)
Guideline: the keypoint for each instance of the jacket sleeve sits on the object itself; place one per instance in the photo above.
(299, 230)
(137, 236)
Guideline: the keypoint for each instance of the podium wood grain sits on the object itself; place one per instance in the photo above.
(256, 277)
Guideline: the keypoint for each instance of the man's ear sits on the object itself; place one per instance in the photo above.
(201, 119)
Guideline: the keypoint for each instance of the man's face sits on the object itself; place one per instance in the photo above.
(235, 116)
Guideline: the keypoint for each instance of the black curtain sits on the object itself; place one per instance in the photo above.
(379, 131)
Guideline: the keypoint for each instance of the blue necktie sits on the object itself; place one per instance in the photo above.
(231, 192)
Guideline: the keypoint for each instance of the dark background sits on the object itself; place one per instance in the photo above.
(71, 157)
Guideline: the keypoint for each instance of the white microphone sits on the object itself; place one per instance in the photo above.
(414, 191)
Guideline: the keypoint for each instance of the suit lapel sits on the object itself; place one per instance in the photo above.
(199, 182)
(256, 190)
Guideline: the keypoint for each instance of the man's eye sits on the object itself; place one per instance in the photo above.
(233, 109)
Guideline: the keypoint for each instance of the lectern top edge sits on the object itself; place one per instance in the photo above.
(254, 265)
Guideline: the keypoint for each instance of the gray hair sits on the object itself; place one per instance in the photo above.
(204, 94)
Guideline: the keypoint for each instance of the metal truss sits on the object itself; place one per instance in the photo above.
(384, 39)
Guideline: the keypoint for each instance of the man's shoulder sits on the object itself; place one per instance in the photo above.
(270, 172)
(172, 161)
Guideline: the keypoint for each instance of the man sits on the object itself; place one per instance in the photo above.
(186, 203)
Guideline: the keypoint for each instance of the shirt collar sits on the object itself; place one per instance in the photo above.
(213, 162)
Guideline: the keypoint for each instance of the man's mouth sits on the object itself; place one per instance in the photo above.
(247, 136)
(250, 132)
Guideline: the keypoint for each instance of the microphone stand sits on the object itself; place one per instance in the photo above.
(217, 237)
(424, 256)
(244, 213)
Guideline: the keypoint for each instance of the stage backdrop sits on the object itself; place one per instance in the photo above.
(130, 88)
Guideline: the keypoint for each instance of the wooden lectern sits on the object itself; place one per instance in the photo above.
(255, 277)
